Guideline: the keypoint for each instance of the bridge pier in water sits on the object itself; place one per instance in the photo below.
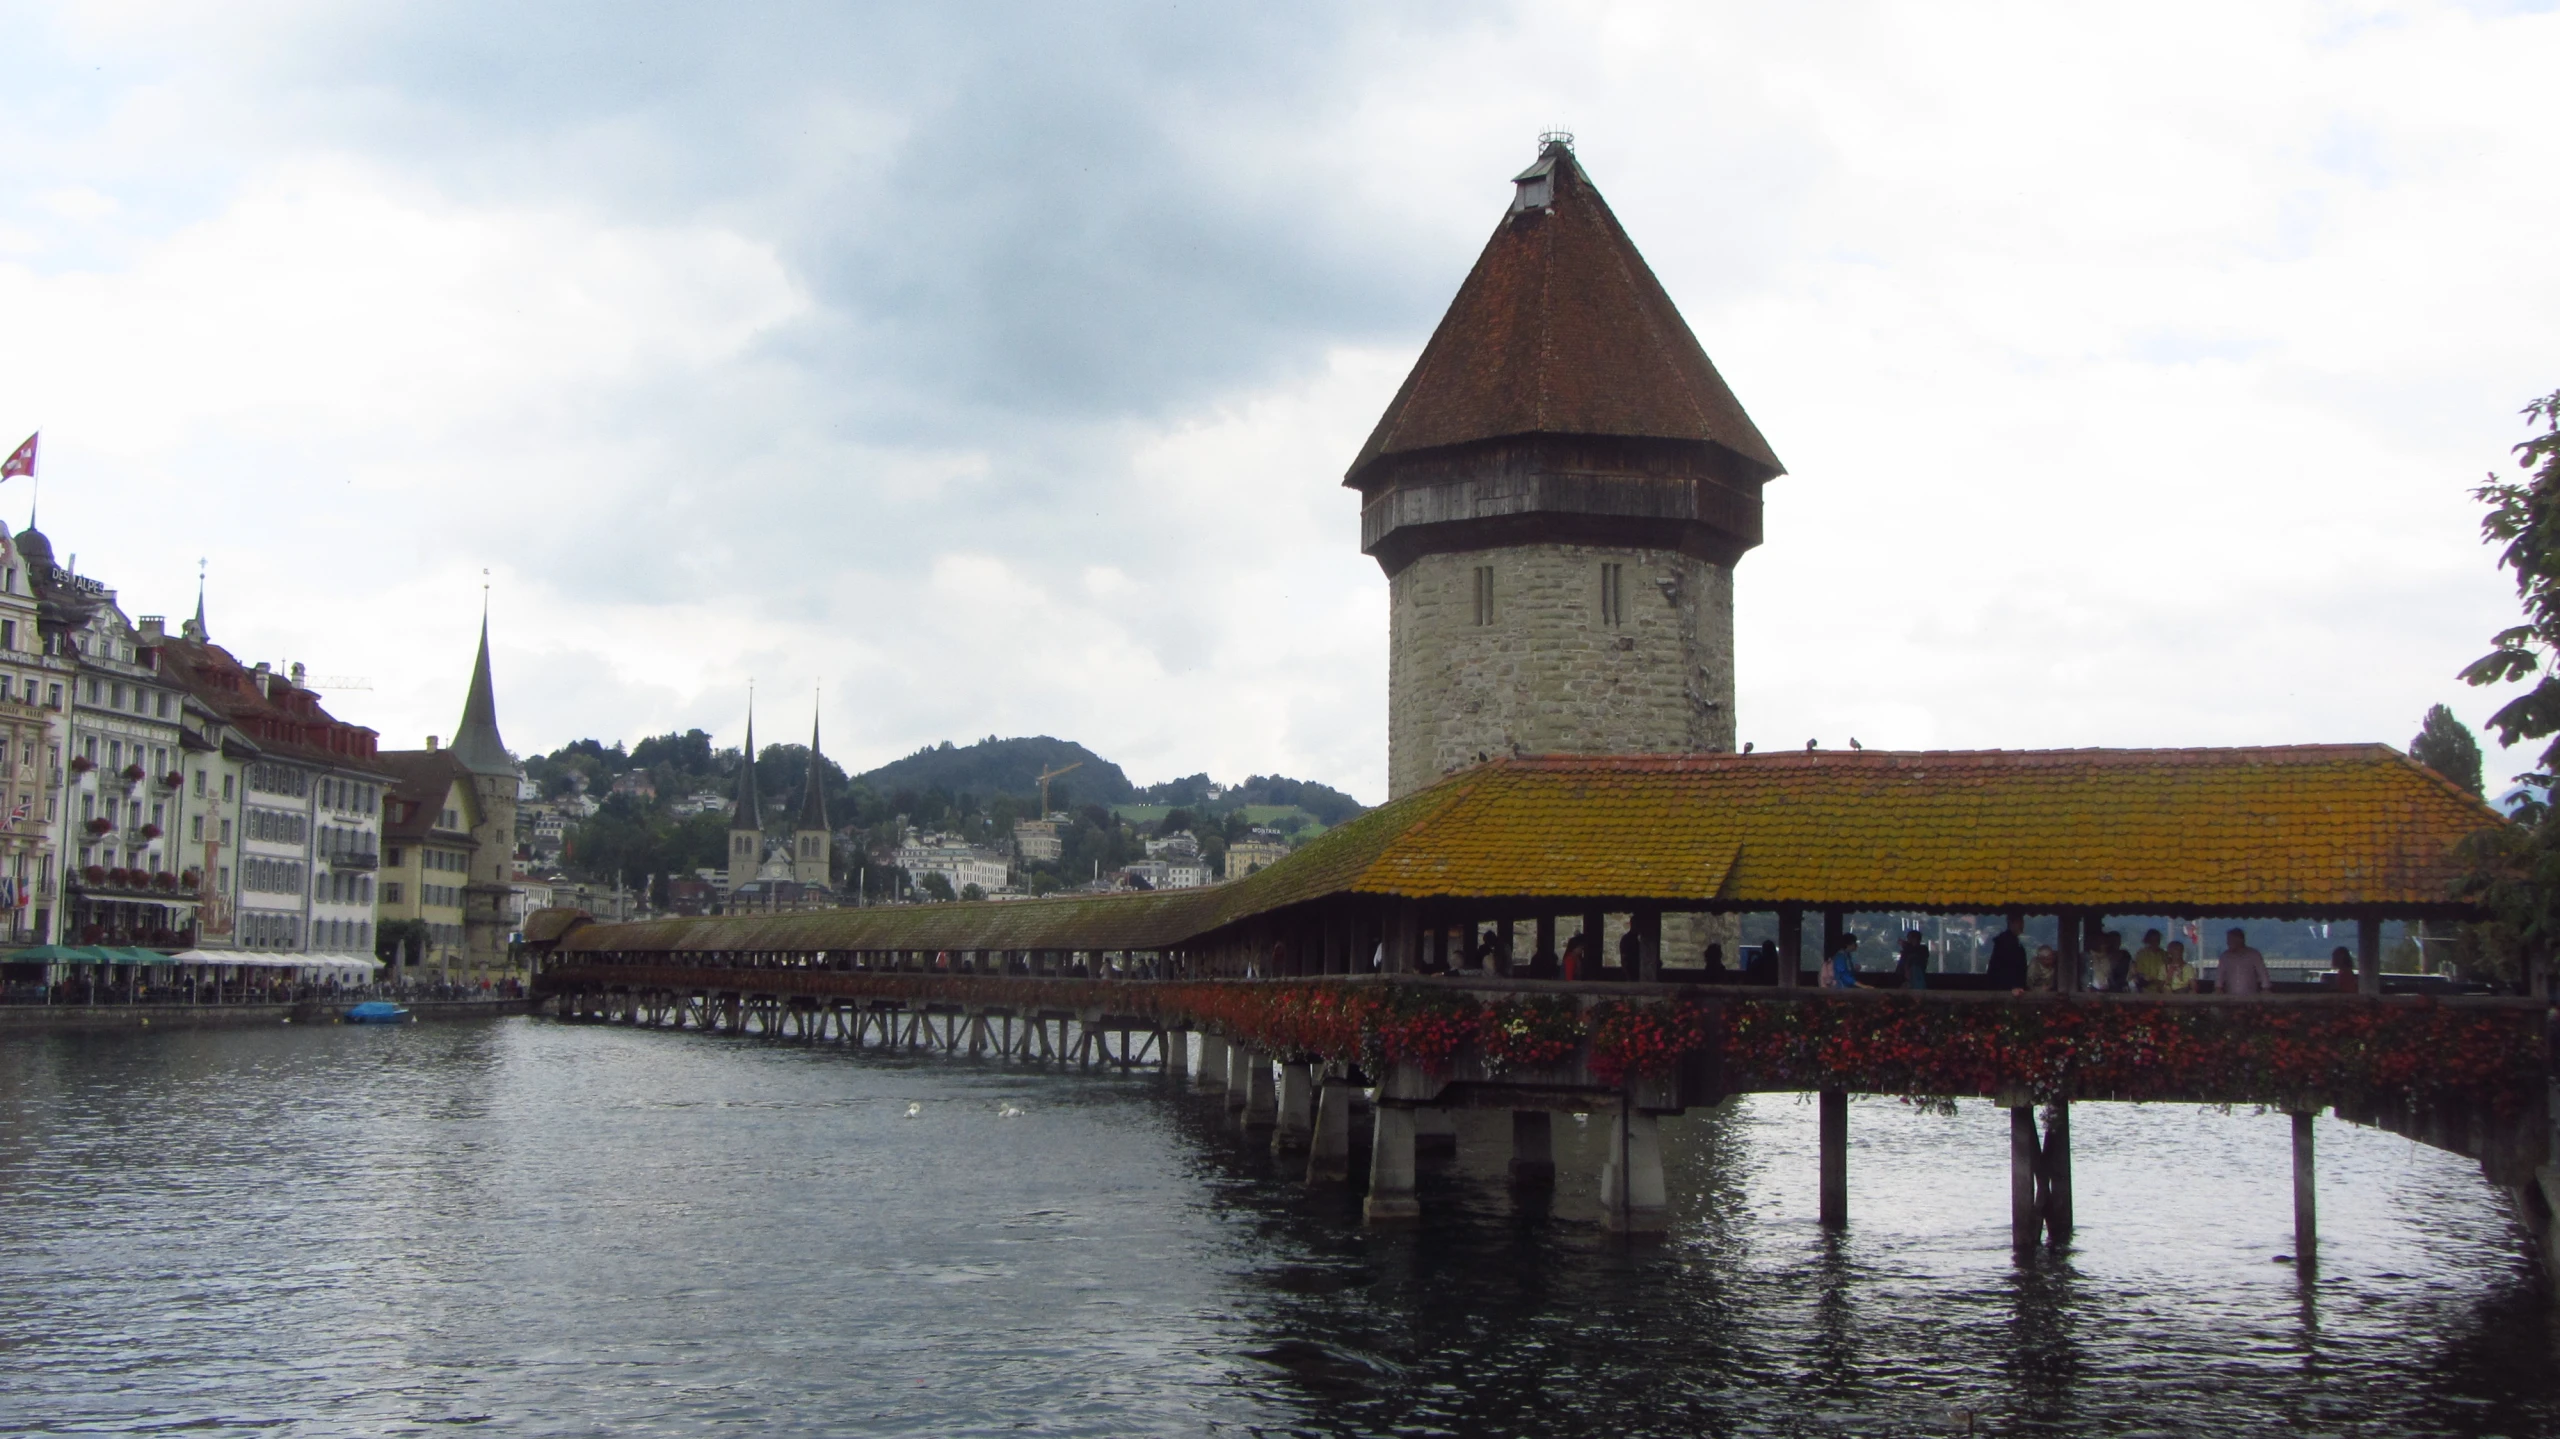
(1533, 1149)
(1296, 1118)
(1835, 1159)
(1329, 1146)
(1391, 1200)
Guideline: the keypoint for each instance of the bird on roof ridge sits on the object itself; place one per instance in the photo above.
(1812, 745)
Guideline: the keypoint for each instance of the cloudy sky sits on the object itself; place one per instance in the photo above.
(996, 366)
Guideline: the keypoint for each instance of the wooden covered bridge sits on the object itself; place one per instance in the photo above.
(1354, 975)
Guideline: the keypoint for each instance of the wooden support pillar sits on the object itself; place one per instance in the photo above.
(1239, 1076)
(2066, 952)
(1329, 1146)
(2368, 970)
(1261, 1104)
(1835, 925)
(1595, 942)
(2306, 1202)
(1790, 945)
(1533, 1149)
(1633, 1198)
(1546, 935)
(1505, 938)
(1648, 928)
(1835, 1159)
(2056, 1173)
(1296, 1119)
(2026, 1220)
(1391, 1195)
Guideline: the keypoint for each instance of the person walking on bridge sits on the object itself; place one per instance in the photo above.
(1840, 971)
(2008, 967)
(2244, 970)
(1914, 960)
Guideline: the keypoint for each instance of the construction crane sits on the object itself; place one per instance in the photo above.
(1047, 775)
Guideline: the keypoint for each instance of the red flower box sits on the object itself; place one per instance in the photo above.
(173, 779)
(95, 874)
(118, 877)
(101, 825)
(151, 831)
(134, 773)
(82, 764)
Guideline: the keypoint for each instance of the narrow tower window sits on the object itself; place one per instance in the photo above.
(1613, 594)
(1484, 594)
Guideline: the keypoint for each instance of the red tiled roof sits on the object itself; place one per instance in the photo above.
(1562, 328)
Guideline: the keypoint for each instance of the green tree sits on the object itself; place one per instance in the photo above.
(2515, 868)
(2444, 744)
(936, 885)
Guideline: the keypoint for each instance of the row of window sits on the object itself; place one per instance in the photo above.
(116, 810)
(157, 703)
(270, 931)
(271, 876)
(158, 755)
(286, 779)
(276, 826)
(350, 936)
(25, 688)
(347, 794)
(334, 840)
(446, 859)
(439, 936)
(335, 888)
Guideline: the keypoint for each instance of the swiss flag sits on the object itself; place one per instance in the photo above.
(21, 461)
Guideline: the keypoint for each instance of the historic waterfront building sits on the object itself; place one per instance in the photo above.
(1558, 495)
(34, 686)
(124, 883)
(285, 800)
(453, 824)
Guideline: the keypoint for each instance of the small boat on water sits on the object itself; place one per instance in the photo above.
(376, 1011)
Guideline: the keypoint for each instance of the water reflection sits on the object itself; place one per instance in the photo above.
(578, 1230)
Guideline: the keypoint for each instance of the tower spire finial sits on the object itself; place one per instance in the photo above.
(475, 740)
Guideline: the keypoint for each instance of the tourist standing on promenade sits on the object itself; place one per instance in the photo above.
(2244, 970)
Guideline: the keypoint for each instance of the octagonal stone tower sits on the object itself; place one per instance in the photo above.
(1558, 495)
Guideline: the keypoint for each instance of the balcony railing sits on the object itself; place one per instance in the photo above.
(355, 859)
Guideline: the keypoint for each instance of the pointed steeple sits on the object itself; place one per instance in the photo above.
(1562, 400)
(201, 635)
(749, 814)
(1562, 329)
(475, 740)
(813, 794)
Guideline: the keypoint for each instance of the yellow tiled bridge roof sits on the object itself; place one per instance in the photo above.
(2293, 830)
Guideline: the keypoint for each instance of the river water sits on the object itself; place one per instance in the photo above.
(521, 1227)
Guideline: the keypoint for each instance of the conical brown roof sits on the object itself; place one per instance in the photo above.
(1562, 328)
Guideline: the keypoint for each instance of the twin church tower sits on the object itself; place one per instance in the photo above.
(1558, 495)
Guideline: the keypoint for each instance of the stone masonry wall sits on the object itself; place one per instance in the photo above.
(1548, 674)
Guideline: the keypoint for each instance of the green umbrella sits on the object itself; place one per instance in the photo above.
(52, 954)
(142, 956)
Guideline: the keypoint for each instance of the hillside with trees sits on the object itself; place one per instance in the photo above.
(977, 791)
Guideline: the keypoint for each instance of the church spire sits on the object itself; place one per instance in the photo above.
(475, 740)
(813, 794)
(750, 811)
